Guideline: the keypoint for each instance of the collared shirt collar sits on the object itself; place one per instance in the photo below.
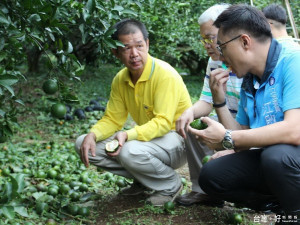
(146, 73)
(272, 58)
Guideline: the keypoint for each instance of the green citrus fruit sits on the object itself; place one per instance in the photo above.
(41, 174)
(58, 110)
(75, 196)
(41, 187)
(6, 171)
(60, 176)
(74, 184)
(50, 87)
(83, 187)
(112, 146)
(41, 207)
(205, 159)
(121, 182)
(169, 206)
(198, 124)
(84, 211)
(50, 222)
(64, 189)
(52, 191)
(73, 209)
(237, 218)
(183, 181)
(27, 171)
(52, 173)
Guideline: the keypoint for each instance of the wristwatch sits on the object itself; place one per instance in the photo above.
(227, 142)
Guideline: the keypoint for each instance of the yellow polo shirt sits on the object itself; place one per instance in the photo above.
(155, 102)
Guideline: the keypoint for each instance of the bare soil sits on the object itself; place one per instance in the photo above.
(119, 209)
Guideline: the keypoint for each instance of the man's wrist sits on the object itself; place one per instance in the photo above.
(219, 105)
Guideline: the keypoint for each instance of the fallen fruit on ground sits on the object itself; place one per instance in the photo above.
(198, 124)
(169, 206)
(58, 110)
(206, 159)
(84, 211)
(50, 87)
(112, 146)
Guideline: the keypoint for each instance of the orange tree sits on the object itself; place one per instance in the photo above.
(30, 29)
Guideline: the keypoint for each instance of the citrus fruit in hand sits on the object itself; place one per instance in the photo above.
(58, 110)
(205, 159)
(50, 87)
(198, 124)
(112, 146)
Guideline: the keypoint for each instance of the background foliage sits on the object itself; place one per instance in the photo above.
(58, 38)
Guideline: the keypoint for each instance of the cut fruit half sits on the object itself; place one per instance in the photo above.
(112, 146)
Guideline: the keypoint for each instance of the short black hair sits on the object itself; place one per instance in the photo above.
(129, 26)
(275, 12)
(244, 18)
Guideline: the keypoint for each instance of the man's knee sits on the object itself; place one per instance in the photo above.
(78, 142)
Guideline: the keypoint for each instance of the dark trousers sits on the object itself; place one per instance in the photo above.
(272, 172)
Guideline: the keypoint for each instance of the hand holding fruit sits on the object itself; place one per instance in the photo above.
(121, 137)
(183, 121)
(88, 144)
(212, 136)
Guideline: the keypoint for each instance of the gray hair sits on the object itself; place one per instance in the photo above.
(212, 13)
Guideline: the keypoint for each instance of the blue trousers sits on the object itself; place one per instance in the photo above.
(272, 172)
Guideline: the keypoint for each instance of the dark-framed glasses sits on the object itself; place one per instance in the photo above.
(219, 46)
(208, 41)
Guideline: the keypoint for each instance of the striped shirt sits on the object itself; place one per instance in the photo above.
(233, 87)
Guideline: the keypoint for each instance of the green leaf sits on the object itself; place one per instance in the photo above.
(70, 48)
(34, 18)
(91, 5)
(8, 80)
(130, 12)
(20, 182)
(20, 102)
(4, 20)
(118, 8)
(9, 212)
(21, 210)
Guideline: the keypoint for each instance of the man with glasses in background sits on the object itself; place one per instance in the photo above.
(196, 150)
(266, 131)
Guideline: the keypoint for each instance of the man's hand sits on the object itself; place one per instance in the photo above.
(217, 83)
(88, 144)
(183, 121)
(121, 136)
(212, 136)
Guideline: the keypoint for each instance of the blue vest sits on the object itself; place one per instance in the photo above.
(264, 101)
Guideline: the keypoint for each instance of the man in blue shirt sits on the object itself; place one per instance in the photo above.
(265, 167)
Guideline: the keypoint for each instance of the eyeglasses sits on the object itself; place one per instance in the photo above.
(208, 40)
(219, 46)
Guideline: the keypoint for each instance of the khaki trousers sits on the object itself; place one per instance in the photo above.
(151, 163)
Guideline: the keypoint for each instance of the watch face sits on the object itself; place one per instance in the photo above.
(227, 145)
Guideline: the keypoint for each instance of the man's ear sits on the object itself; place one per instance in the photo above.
(246, 41)
(115, 52)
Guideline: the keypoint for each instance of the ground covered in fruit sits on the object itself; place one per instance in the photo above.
(42, 180)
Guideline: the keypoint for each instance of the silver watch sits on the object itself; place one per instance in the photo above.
(227, 142)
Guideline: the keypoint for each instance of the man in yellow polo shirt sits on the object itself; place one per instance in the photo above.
(154, 94)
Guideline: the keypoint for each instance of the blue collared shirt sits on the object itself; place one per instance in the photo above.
(264, 101)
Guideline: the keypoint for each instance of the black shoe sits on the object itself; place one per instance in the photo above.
(198, 198)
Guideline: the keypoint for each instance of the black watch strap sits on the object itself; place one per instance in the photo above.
(219, 105)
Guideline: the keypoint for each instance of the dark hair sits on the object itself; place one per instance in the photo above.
(129, 26)
(244, 18)
(275, 12)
